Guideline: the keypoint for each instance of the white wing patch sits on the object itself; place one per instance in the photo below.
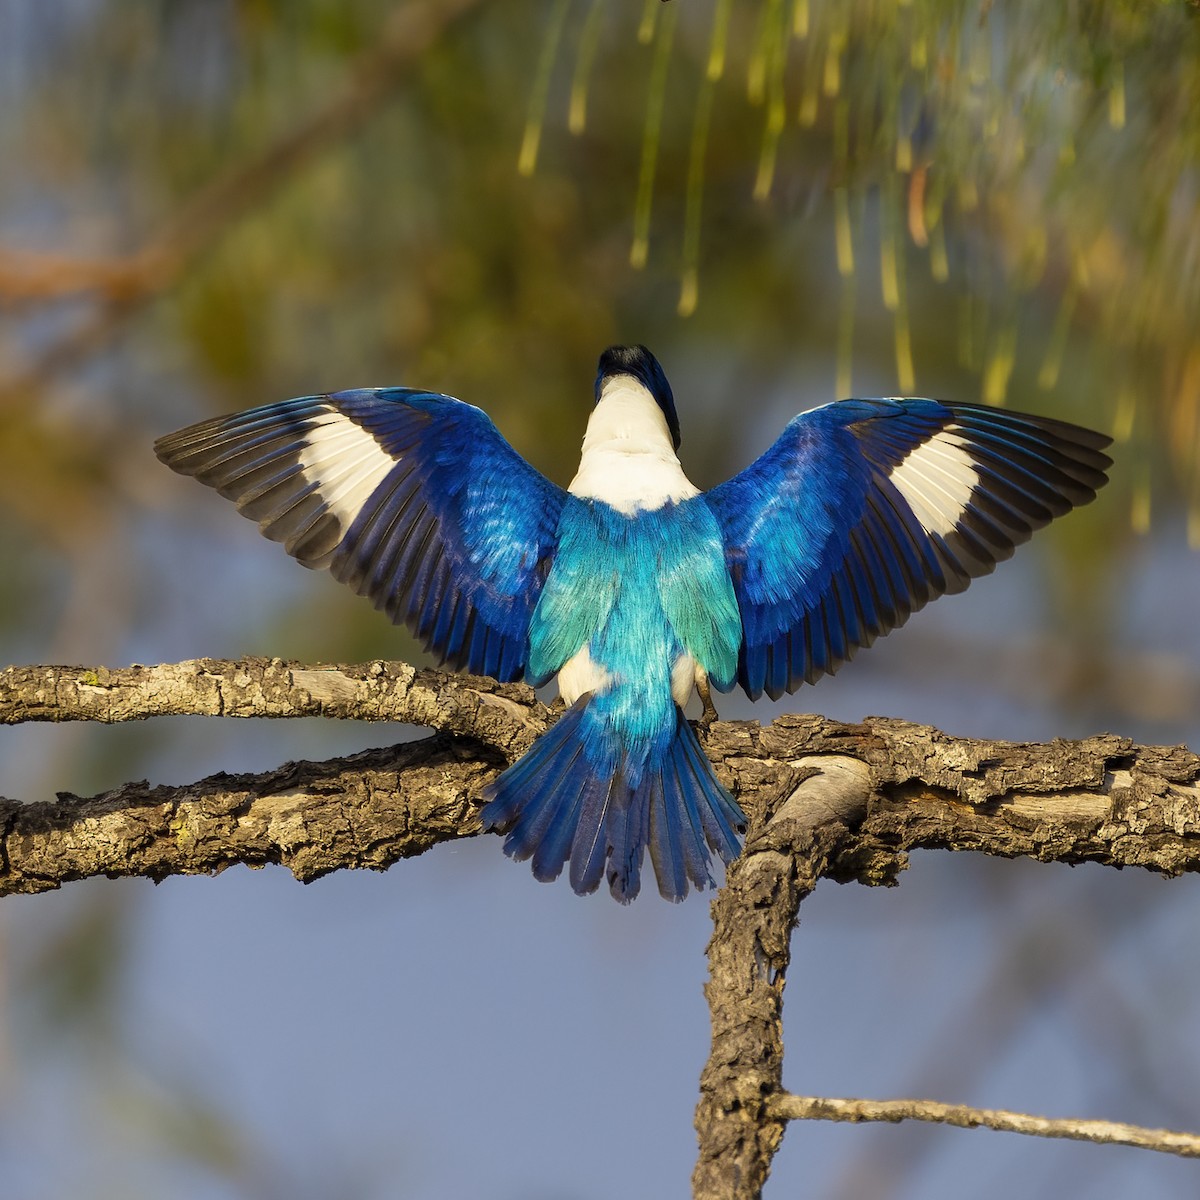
(937, 479)
(628, 460)
(345, 463)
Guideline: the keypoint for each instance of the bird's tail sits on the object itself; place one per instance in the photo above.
(557, 803)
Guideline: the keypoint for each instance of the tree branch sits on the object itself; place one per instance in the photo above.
(368, 810)
(824, 799)
(753, 916)
(886, 786)
(848, 802)
(788, 1107)
(507, 716)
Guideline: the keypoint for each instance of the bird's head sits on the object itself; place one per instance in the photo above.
(638, 362)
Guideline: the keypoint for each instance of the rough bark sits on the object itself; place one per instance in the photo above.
(825, 799)
(1102, 799)
(368, 810)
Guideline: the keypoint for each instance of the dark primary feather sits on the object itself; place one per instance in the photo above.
(840, 531)
(411, 498)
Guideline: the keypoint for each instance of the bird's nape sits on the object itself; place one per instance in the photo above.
(640, 364)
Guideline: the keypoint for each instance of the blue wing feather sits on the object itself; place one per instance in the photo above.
(865, 510)
(411, 498)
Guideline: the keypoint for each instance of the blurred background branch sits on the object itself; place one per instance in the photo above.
(120, 286)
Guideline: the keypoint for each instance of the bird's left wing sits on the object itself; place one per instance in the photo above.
(411, 498)
(865, 510)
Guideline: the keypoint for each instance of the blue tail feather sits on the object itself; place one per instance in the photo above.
(589, 849)
(556, 805)
(541, 827)
(554, 845)
(666, 839)
(722, 819)
(691, 801)
(627, 839)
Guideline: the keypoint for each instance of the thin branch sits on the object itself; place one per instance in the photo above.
(963, 1049)
(787, 1107)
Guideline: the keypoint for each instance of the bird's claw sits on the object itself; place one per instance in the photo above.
(709, 712)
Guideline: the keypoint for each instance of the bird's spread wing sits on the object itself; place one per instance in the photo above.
(864, 510)
(411, 498)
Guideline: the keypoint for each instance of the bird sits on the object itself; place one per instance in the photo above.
(631, 586)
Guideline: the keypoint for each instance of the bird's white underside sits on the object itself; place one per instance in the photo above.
(345, 462)
(582, 674)
(937, 479)
(629, 463)
(686, 675)
(628, 460)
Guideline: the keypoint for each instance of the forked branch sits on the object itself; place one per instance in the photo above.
(824, 799)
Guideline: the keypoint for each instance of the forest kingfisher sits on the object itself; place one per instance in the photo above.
(632, 586)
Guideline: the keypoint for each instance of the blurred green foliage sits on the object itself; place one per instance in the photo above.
(1013, 192)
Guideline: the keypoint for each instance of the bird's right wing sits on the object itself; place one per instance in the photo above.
(411, 498)
(865, 510)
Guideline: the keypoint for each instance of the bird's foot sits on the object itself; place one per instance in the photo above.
(709, 713)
